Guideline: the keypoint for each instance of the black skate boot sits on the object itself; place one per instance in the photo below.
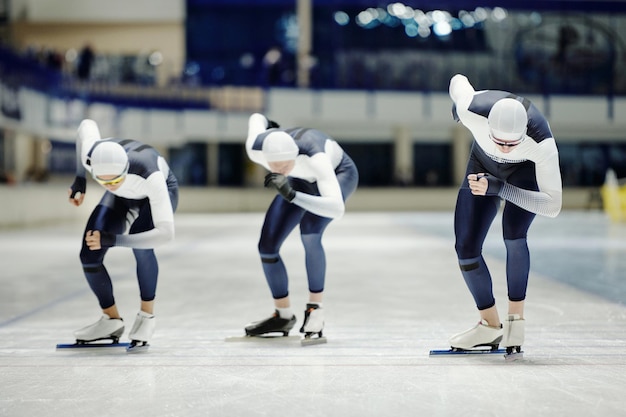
(274, 324)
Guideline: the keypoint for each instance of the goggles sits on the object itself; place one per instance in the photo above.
(505, 143)
(112, 181)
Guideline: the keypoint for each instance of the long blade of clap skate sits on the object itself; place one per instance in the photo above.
(308, 341)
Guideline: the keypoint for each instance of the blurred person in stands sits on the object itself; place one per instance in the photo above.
(86, 58)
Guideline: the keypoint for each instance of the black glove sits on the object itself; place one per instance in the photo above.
(494, 184)
(281, 183)
(107, 239)
(78, 186)
(272, 124)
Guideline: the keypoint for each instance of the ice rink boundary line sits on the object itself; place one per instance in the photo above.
(68, 297)
(43, 307)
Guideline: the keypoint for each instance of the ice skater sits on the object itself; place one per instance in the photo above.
(313, 177)
(136, 211)
(514, 157)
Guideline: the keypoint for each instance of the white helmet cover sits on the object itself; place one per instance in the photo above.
(508, 120)
(108, 158)
(279, 146)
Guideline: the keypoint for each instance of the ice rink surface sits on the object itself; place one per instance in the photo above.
(393, 293)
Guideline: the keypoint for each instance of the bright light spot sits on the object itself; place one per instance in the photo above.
(422, 18)
(71, 55)
(535, 18)
(341, 18)
(246, 60)
(442, 29)
(466, 18)
(498, 14)
(192, 68)
(423, 31)
(396, 9)
(364, 18)
(272, 56)
(155, 58)
(480, 14)
(438, 16)
(411, 30)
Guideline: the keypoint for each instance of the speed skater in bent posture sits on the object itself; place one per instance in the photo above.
(140, 199)
(514, 157)
(313, 177)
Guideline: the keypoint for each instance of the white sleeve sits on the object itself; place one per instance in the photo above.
(163, 232)
(162, 217)
(459, 88)
(87, 135)
(548, 200)
(330, 201)
(257, 124)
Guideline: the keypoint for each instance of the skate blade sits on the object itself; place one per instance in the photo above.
(261, 338)
(91, 345)
(514, 356)
(137, 348)
(443, 352)
(310, 341)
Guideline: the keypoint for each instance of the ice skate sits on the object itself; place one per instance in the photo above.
(141, 332)
(513, 337)
(478, 336)
(313, 325)
(103, 329)
(273, 324)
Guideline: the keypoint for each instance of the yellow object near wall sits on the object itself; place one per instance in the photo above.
(614, 198)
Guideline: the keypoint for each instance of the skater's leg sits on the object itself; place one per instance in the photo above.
(490, 315)
(312, 229)
(472, 219)
(147, 306)
(146, 260)
(515, 225)
(112, 312)
(316, 297)
(108, 216)
(281, 218)
(516, 307)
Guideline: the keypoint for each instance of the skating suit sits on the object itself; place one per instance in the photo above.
(531, 185)
(140, 215)
(324, 177)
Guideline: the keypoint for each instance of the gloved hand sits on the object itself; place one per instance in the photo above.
(494, 184)
(78, 186)
(272, 124)
(281, 183)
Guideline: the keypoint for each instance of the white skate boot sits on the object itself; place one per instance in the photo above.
(313, 325)
(142, 331)
(105, 328)
(513, 336)
(480, 335)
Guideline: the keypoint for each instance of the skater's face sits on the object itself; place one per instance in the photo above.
(506, 146)
(282, 167)
(111, 182)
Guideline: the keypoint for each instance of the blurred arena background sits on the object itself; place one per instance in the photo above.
(184, 75)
